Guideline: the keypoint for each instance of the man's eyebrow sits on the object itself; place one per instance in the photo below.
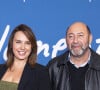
(69, 33)
(77, 33)
(80, 33)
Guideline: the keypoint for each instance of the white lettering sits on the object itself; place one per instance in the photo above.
(4, 36)
(5, 54)
(60, 45)
(44, 47)
(98, 49)
(24, 0)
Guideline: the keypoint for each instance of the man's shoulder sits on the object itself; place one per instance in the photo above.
(95, 60)
(56, 60)
(95, 55)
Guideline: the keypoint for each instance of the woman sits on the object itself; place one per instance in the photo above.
(21, 72)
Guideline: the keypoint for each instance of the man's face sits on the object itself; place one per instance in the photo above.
(78, 39)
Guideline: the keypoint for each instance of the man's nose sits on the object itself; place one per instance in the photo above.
(75, 39)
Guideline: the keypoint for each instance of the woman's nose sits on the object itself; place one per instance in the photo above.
(22, 46)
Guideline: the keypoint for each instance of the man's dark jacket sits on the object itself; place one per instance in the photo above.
(59, 73)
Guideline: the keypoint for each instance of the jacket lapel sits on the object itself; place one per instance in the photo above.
(3, 69)
(25, 77)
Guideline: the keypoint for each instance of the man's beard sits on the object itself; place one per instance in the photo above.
(78, 53)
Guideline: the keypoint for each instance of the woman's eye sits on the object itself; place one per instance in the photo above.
(28, 43)
(18, 42)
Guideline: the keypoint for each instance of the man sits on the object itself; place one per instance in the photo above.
(79, 67)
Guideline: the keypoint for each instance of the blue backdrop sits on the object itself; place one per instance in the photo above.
(49, 20)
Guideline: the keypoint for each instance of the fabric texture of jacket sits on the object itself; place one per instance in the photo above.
(35, 78)
(59, 74)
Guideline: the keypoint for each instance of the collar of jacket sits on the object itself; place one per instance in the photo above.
(94, 60)
(93, 64)
(63, 59)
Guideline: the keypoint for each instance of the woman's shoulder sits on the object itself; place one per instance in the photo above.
(41, 71)
(2, 65)
(39, 66)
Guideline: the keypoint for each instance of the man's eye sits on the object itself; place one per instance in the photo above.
(70, 36)
(81, 35)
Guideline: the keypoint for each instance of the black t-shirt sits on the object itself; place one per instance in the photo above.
(77, 76)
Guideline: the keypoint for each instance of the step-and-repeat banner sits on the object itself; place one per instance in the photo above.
(48, 20)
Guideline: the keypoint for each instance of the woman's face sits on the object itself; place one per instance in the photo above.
(21, 46)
